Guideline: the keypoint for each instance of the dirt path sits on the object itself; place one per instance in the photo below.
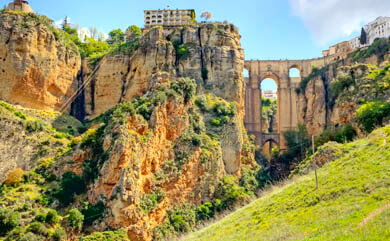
(373, 215)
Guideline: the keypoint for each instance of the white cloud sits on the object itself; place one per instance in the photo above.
(330, 20)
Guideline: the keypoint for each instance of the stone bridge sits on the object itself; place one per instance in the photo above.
(288, 109)
(270, 137)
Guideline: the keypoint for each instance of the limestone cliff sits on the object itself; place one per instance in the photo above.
(212, 56)
(323, 106)
(37, 70)
(159, 152)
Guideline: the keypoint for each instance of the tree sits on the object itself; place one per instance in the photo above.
(133, 32)
(75, 219)
(363, 37)
(117, 36)
(14, 177)
(206, 15)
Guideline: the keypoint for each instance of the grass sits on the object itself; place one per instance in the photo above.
(350, 189)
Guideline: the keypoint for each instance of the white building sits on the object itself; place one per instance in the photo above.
(269, 94)
(379, 28)
(169, 17)
(355, 43)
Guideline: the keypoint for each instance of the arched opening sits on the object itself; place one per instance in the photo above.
(269, 113)
(295, 74)
(269, 106)
(269, 148)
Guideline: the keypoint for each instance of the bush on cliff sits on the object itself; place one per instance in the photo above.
(8, 220)
(372, 114)
(71, 184)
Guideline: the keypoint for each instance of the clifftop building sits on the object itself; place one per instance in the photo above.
(169, 17)
(379, 28)
(20, 5)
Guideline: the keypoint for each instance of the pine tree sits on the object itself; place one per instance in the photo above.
(363, 37)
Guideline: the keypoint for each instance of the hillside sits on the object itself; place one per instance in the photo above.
(353, 190)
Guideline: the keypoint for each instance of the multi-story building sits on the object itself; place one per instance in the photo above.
(269, 94)
(379, 28)
(20, 5)
(169, 17)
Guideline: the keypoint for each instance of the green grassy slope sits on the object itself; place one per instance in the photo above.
(351, 188)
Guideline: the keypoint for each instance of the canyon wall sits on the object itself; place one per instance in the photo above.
(36, 70)
(213, 57)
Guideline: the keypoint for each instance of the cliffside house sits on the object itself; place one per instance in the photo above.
(169, 17)
(379, 28)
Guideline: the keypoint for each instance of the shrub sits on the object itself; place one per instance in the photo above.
(372, 114)
(71, 184)
(341, 135)
(205, 211)
(182, 219)
(31, 237)
(338, 85)
(150, 201)
(20, 115)
(118, 235)
(185, 87)
(75, 219)
(93, 212)
(40, 217)
(216, 122)
(248, 179)
(201, 102)
(181, 50)
(196, 140)
(32, 126)
(8, 220)
(229, 192)
(14, 177)
(122, 111)
(52, 217)
(59, 234)
(37, 228)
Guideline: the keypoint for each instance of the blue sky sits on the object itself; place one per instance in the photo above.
(270, 29)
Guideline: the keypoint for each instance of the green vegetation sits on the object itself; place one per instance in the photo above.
(341, 134)
(150, 201)
(118, 235)
(379, 47)
(92, 212)
(372, 114)
(181, 50)
(71, 184)
(75, 219)
(350, 188)
(316, 72)
(8, 220)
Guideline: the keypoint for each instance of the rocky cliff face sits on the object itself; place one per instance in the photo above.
(36, 69)
(320, 108)
(211, 54)
(165, 149)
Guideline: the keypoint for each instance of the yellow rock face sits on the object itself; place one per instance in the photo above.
(36, 70)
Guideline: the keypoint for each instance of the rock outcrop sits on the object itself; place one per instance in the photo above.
(212, 56)
(36, 69)
(170, 153)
